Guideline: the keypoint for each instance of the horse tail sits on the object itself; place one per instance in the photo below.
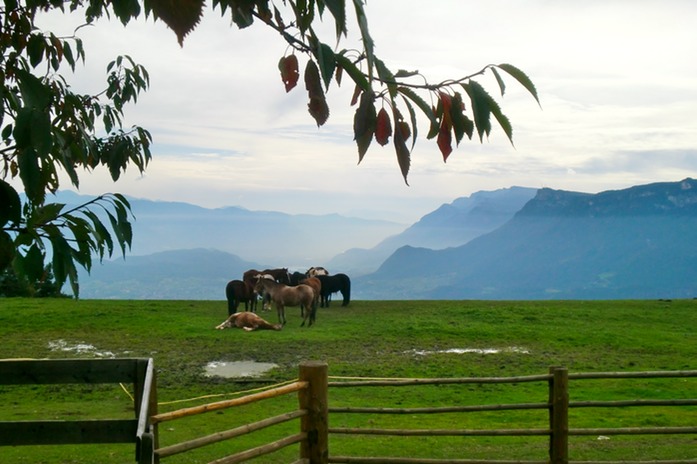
(230, 295)
(346, 292)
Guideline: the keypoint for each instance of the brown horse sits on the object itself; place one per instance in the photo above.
(283, 295)
(316, 285)
(236, 292)
(250, 278)
(247, 321)
(280, 275)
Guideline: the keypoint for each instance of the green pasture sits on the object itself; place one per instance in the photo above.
(377, 339)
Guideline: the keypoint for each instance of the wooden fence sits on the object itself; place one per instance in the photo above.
(139, 430)
(558, 406)
(313, 414)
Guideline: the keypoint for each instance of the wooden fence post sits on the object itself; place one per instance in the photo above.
(559, 415)
(316, 422)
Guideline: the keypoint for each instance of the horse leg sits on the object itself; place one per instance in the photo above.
(304, 313)
(313, 314)
(280, 310)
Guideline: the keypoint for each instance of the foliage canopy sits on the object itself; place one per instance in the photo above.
(49, 130)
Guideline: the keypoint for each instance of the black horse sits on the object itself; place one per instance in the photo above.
(332, 284)
(237, 291)
(296, 277)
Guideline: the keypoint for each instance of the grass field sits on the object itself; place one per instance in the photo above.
(367, 339)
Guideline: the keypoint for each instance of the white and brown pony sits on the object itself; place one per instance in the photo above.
(316, 271)
(247, 321)
(282, 295)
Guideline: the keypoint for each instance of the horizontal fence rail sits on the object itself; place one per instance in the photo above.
(139, 430)
(311, 389)
(558, 406)
(313, 412)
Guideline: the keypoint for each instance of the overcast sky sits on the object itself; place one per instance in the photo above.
(617, 82)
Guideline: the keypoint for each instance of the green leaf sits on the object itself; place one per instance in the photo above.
(34, 92)
(412, 116)
(338, 10)
(458, 118)
(368, 44)
(425, 109)
(101, 234)
(480, 107)
(45, 214)
(10, 204)
(352, 70)
(386, 77)
(7, 250)
(30, 173)
(327, 63)
(502, 84)
(62, 256)
(41, 137)
(403, 155)
(68, 54)
(483, 105)
(502, 120)
(35, 48)
(522, 78)
(33, 264)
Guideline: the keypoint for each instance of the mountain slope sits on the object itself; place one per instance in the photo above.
(635, 243)
(452, 224)
(286, 240)
(197, 274)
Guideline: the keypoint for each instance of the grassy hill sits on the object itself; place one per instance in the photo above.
(368, 339)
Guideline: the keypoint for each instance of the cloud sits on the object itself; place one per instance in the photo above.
(615, 79)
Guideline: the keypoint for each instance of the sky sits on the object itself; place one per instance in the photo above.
(617, 83)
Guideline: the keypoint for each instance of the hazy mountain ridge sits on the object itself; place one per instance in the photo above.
(196, 274)
(635, 243)
(639, 242)
(301, 240)
(450, 225)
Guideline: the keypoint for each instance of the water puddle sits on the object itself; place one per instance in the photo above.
(237, 369)
(510, 349)
(80, 348)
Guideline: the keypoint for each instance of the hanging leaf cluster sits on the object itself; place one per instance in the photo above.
(47, 129)
(454, 108)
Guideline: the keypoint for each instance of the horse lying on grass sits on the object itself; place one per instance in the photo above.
(247, 321)
(283, 295)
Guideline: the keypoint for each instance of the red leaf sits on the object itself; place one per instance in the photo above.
(445, 141)
(338, 75)
(317, 106)
(356, 93)
(288, 65)
(383, 129)
(364, 122)
(319, 110)
(446, 101)
(404, 129)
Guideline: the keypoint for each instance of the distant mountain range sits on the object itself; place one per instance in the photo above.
(635, 243)
(271, 238)
(516, 243)
(450, 225)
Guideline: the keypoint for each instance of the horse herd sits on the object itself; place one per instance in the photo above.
(278, 286)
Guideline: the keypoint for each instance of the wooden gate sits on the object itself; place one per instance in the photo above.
(139, 430)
